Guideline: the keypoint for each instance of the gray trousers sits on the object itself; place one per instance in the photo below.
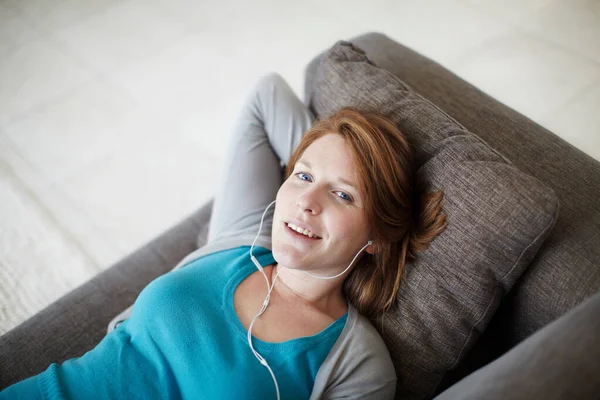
(561, 361)
(270, 126)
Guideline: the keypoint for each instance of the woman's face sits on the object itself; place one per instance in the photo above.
(321, 195)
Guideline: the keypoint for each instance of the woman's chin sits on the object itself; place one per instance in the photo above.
(288, 257)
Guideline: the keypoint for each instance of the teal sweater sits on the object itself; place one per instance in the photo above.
(185, 340)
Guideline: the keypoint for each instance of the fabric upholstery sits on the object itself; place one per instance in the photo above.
(498, 219)
(566, 269)
(560, 361)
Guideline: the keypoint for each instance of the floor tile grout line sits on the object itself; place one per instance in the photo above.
(15, 149)
(94, 76)
(566, 49)
(533, 33)
(155, 50)
(64, 232)
(579, 94)
(67, 50)
(48, 31)
(53, 186)
(45, 104)
(29, 24)
(97, 230)
(57, 45)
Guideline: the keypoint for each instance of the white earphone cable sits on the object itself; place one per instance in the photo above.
(344, 271)
(265, 303)
(270, 288)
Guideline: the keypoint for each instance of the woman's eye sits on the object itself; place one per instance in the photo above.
(301, 174)
(344, 196)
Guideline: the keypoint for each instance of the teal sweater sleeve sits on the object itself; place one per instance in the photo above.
(184, 340)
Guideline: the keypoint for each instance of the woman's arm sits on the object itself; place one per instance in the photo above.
(272, 122)
(116, 368)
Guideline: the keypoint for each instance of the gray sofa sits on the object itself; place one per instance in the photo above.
(564, 272)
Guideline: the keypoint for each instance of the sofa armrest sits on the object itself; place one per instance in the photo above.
(75, 323)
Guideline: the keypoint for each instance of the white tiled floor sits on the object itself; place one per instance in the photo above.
(115, 114)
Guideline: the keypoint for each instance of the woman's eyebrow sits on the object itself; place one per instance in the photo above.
(348, 183)
(344, 181)
(309, 165)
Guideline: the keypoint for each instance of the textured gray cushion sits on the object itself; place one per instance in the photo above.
(498, 217)
(566, 269)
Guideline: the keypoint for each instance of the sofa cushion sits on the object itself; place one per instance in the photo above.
(498, 217)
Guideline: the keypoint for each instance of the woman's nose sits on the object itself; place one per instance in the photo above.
(309, 202)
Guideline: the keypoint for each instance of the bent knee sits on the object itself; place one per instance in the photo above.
(270, 82)
(271, 78)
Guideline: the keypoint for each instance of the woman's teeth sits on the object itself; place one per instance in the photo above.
(305, 232)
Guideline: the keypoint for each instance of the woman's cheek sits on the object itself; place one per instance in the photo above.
(344, 224)
(282, 193)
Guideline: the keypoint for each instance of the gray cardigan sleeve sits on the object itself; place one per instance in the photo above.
(358, 366)
(385, 392)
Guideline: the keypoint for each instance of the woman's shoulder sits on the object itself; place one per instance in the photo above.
(365, 341)
(229, 245)
(359, 359)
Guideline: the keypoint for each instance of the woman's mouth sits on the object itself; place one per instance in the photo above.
(299, 232)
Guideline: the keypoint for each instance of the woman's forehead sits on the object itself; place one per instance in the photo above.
(332, 154)
(329, 146)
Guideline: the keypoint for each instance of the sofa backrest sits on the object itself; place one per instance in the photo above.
(566, 270)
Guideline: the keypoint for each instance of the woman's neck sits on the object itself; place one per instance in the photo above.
(296, 287)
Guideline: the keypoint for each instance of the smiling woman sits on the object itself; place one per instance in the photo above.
(319, 196)
(367, 155)
(346, 219)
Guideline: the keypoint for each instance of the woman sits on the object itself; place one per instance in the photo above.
(240, 321)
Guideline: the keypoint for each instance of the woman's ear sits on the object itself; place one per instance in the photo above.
(372, 248)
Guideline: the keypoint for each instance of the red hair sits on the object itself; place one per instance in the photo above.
(403, 221)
